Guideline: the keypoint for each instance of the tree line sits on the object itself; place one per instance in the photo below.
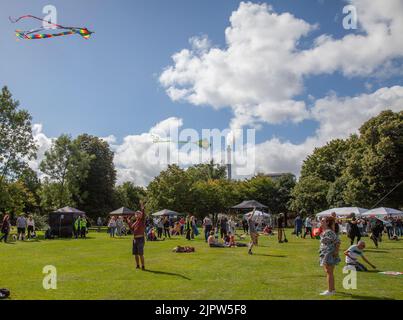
(80, 172)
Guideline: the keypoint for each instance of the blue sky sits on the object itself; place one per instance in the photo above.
(109, 85)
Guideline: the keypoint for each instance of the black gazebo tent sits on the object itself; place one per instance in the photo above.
(250, 204)
(61, 221)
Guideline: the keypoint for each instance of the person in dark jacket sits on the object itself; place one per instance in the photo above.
(5, 228)
(354, 231)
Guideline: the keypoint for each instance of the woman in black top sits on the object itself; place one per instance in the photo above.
(354, 231)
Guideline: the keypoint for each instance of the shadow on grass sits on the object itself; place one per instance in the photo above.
(360, 297)
(269, 255)
(167, 274)
(72, 239)
(376, 251)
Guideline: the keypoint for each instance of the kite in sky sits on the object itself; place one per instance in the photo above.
(36, 33)
(202, 144)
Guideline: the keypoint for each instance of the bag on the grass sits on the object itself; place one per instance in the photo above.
(4, 293)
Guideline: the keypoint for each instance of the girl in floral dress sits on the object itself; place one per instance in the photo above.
(329, 252)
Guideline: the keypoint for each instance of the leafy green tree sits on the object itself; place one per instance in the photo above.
(98, 185)
(129, 195)
(32, 182)
(260, 188)
(284, 185)
(16, 141)
(213, 197)
(207, 171)
(375, 165)
(310, 195)
(66, 166)
(53, 196)
(327, 162)
(170, 190)
(19, 198)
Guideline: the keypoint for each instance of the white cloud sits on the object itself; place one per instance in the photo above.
(259, 74)
(111, 139)
(338, 117)
(43, 144)
(261, 69)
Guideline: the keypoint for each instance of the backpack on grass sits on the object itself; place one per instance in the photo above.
(4, 293)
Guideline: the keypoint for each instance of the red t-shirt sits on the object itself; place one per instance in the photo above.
(139, 226)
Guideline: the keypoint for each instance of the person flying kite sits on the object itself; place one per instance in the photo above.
(36, 33)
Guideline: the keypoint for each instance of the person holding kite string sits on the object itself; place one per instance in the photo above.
(138, 228)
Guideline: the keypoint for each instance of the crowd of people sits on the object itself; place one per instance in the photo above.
(25, 225)
(222, 232)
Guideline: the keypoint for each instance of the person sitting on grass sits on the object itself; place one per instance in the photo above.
(352, 255)
(213, 242)
(268, 230)
(151, 236)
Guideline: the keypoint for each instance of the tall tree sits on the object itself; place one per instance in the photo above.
(66, 166)
(29, 178)
(213, 197)
(129, 195)
(16, 141)
(170, 190)
(207, 171)
(18, 199)
(99, 183)
(310, 195)
(327, 162)
(374, 169)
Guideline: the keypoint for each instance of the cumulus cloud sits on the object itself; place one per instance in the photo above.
(43, 144)
(140, 158)
(338, 117)
(259, 74)
(261, 69)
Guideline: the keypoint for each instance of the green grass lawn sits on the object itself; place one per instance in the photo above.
(103, 268)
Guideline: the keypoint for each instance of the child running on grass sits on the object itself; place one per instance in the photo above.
(138, 228)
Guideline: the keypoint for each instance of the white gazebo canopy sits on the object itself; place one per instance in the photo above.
(259, 216)
(383, 212)
(342, 212)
